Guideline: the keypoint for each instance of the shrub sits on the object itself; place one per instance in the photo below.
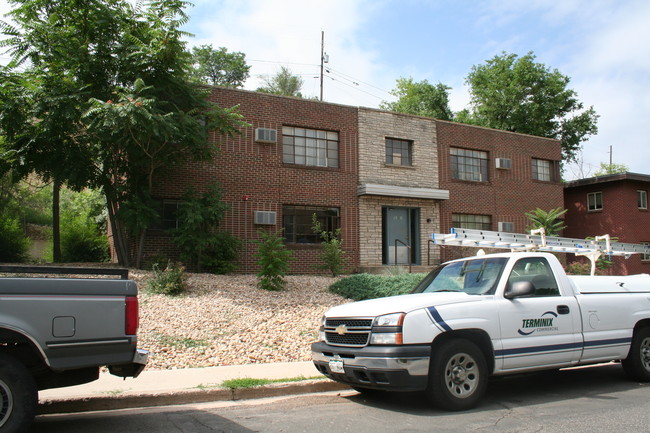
(273, 259)
(169, 281)
(81, 241)
(368, 286)
(14, 245)
(332, 253)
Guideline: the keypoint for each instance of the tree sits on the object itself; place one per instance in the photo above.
(218, 67)
(612, 168)
(549, 220)
(283, 83)
(517, 94)
(106, 101)
(273, 259)
(422, 99)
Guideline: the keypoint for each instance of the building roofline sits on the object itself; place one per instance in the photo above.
(617, 177)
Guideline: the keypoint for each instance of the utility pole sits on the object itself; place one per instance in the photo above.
(322, 60)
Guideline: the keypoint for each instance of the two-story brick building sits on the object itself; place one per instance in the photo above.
(615, 204)
(387, 180)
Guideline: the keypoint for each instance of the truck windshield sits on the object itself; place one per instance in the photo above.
(474, 277)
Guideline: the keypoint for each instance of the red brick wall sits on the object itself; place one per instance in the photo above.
(254, 178)
(508, 194)
(620, 217)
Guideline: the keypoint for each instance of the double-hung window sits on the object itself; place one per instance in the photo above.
(471, 165)
(311, 147)
(398, 152)
(594, 201)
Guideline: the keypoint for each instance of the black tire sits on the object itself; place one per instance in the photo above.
(637, 363)
(18, 396)
(457, 375)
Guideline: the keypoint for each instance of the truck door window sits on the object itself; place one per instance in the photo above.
(537, 271)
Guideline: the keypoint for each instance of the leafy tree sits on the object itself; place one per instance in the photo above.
(273, 260)
(422, 99)
(283, 83)
(613, 168)
(549, 220)
(517, 94)
(13, 242)
(201, 246)
(105, 101)
(218, 67)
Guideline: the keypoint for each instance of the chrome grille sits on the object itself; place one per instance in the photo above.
(341, 331)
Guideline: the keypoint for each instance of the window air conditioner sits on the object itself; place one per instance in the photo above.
(265, 218)
(266, 135)
(504, 163)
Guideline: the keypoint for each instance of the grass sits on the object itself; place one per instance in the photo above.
(248, 382)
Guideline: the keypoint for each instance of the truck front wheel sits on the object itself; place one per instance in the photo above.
(18, 396)
(457, 375)
(637, 363)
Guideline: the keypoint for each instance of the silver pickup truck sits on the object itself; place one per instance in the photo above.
(57, 332)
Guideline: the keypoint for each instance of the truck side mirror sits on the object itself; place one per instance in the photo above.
(519, 289)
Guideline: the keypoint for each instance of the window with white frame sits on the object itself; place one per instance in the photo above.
(471, 165)
(642, 199)
(543, 170)
(594, 201)
(312, 147)
(470, 221)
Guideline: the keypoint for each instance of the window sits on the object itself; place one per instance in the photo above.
(467, 221)
(310, 147)
(168, 211)
(544, 170)
(537, 271)
(469, 165)
(297, 223)
(645, 257)
(642, 198)
(398, 152)
(594, 201)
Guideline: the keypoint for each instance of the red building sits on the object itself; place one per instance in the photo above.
(617, 205)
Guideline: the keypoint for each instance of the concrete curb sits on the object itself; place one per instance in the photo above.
(135, 400)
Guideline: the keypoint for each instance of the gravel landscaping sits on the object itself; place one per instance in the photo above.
(227, 320)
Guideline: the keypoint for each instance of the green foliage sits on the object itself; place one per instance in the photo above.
(169, 281)
(199, 243)
(369, 286)
(13, 242)
(332, 253)
(549, 220)
(218, 67)
(273, 259)
(516, 94)
(422, 99)
(283, 83)
(584, 268)
(613, 168)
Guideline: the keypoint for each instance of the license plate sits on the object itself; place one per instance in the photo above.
(336, 366)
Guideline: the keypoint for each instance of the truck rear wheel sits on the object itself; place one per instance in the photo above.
(457, 375)
(18, 396)
(637, 363)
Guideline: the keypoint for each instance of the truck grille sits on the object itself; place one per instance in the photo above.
(353, 332)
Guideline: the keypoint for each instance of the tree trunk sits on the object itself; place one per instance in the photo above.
(117, 231)
(56, 221)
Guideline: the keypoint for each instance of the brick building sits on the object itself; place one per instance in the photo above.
(494, 178)
(615, 204)
(388, 180)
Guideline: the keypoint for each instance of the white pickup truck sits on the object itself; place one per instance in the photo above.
(486, 315)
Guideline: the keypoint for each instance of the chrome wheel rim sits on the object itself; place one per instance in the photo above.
(6, 403)
(645, 353)
(462, 375)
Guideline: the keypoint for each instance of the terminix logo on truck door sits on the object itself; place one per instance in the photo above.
(541, 324)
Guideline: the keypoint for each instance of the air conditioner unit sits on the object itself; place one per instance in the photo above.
(266, 135)
(504, 163)
(265, 218)
(506, 227)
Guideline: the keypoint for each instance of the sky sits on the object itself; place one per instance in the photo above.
(602, 45)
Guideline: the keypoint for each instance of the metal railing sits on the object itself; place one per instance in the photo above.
(408, 247)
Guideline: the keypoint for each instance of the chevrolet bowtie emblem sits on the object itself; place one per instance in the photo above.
(341, 329)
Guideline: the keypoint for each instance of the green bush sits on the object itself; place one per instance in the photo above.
(273, 259)
(169, 281)
(332, 253)
(14, 245)
(368, 286)
(81, 241)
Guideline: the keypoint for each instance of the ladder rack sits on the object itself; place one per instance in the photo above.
(538, 241)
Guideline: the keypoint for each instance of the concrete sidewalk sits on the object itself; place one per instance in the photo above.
(183, 386)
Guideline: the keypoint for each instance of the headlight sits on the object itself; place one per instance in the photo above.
(387, 329)
(321, 330)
